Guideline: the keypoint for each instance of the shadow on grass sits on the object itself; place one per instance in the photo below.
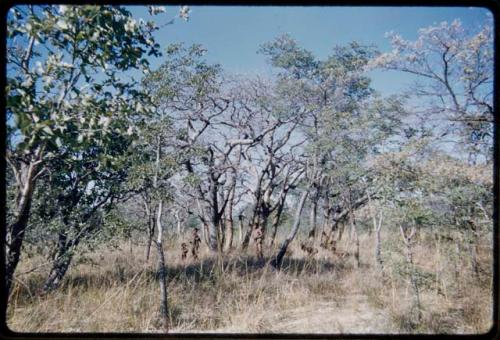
(207, 270)
(245, 266)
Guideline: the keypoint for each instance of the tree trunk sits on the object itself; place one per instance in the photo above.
(355, 237)
(327, 214)
(313, 219)
(162, 272)
(60, 265)
(407, 239)
(213, 236)
(221, 235)
(251, 226)
(229, 208)
(376, 228)
(277, 262)
(340, 229)
(15, 237)
(246, 239)
(378, 257)
(151, 231)
(16, 230)
(277, 218)
(230, 231)
(314, 213)
(178, 225)
(57, 272)
(62, 259)
(204, 232)
(265, 211)
(240, 227)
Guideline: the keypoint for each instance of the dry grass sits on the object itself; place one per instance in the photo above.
(117, 291)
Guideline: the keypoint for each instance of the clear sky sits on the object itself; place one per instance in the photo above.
(232, 34)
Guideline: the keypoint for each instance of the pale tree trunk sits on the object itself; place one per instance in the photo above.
(339, 226)
(25, 180)
(407, 239)
(230, 230)
(377, 225)
(178, 220)
(278, 260)
(162, 271)
(378, 256)
(240, 227)
(230, 205)
(204, 233)
(162, 274)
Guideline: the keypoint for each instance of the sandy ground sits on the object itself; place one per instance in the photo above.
(353, 315)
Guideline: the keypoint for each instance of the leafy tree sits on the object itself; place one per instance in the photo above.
(344, 120)
(64, 90)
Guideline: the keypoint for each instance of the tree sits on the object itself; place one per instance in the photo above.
(188, 89)
(82, 183)
(268, 162)
(344, 121)
(63, 89)
(454, 70)
(278, 260)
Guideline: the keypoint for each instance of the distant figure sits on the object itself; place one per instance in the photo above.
(328, 242)
(195, 243)
(184, 251)
(311, 251)
(259, 235)
(325, 239)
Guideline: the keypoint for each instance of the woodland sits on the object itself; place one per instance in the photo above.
(183, 198)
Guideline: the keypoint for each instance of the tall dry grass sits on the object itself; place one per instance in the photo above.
(116, 291)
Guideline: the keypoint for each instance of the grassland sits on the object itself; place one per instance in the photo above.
(116, 290)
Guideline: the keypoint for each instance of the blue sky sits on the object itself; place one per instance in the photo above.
(232, 34)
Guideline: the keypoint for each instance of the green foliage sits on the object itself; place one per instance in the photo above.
(64, 89)
(285, 53)
(184, 74)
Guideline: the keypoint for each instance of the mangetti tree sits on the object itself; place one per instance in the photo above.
(64, 90)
